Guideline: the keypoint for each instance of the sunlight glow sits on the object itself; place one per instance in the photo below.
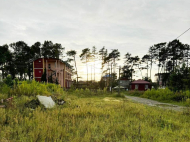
(92, 72)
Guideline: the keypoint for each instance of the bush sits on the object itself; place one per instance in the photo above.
(135, 93)
(187, 102)
(178, 96)
(33, 88)
(166, 94)
(87, 92)
(8, 81)
(159, 94)
(5, 89)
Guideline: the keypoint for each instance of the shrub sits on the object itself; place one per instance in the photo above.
(178, 96)
(5, 89)
(135, 93)
(34, 88)
(187, 102)
(87, 92)
(8, 81)
(159, 94)
(166, 94)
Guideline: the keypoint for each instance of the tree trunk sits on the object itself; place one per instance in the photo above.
(91, 73)
(3, 76)
(94, 69)
(76, 71)
(111, 77)
(150, 68)
(131, 73)
(147, 68)
(87, 71)
(140, 71)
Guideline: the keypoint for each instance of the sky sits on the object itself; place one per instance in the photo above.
(127, 25)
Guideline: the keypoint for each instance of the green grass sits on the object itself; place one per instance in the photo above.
(180, 98)
(91, 116)
(102, 118)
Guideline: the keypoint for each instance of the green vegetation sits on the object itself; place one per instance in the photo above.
(164, 95)
(86, 116)
(31, 88)
(134, 93)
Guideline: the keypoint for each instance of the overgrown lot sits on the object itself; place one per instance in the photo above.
(90, 116)
(164, 95)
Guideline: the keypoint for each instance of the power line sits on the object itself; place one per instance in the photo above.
(183, 33)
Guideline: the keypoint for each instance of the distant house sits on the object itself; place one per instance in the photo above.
(107, 79)
(124, 83)
(140, 85)
(57, 71)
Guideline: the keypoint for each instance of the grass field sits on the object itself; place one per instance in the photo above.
(87, 116)
(181, 98)
(102, 118)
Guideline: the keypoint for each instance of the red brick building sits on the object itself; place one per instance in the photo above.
(56, 70)
(140, 85)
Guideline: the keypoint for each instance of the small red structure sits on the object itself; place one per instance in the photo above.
(140, 85)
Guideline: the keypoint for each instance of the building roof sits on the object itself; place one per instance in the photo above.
(65, 62)
(140, 81)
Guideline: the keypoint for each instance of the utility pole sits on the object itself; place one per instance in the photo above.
(119, 80)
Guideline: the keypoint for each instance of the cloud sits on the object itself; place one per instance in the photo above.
(129, 25)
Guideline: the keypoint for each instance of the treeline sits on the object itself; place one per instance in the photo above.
(171, 59)
(17, 58)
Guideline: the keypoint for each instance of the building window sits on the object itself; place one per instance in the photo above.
(49, 66)
(146, 86)
(136, 86)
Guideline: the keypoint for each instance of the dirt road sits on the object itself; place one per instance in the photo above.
(155, 103)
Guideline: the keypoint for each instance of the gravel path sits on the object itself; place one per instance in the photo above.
(155, 103)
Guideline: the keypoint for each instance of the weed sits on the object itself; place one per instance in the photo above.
(89, 116)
